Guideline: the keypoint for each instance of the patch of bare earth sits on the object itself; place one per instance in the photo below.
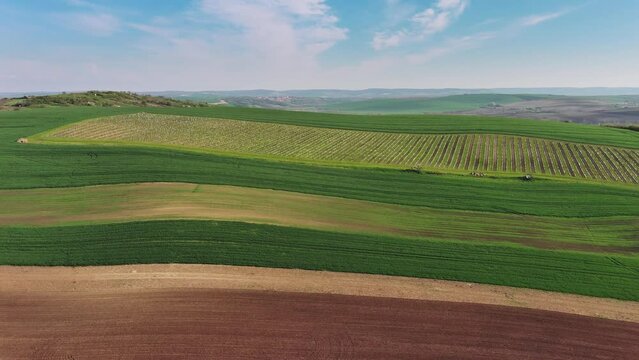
(250, 324)
(140, 278)
(226, 312)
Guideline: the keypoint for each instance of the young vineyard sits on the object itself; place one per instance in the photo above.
(477, 153)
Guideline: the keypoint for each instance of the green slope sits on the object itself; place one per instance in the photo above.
(263, 245)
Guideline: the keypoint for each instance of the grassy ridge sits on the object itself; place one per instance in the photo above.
(263, 245)
(98, 98)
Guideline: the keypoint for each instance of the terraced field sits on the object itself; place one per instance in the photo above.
(489, 153)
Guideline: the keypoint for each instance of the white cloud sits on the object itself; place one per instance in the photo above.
(85, 4)
(383, 41)
(93, 19)
(451, 46)
(280, 27)
(540, 18)
(102, 24)
(432, 20)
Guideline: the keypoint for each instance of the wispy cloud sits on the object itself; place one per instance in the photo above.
(537, 19)
(452, 45)
(432, 20)
(102, 24)
(480, 39)
(85, 4)
(92, 19)
(280, 27)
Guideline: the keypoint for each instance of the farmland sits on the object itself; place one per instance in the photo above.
(319, 179)
(251, 187)
(468, 152)
(208, 302)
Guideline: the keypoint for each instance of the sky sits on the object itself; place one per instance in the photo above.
(154, 45)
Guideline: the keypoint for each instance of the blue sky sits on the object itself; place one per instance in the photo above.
(139, 45)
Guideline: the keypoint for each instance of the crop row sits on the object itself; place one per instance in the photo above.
(467, 152)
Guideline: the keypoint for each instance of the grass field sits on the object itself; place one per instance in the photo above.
(270, 246)
(469, 152)
(128, 202)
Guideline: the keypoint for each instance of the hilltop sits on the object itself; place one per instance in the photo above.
(95, 98)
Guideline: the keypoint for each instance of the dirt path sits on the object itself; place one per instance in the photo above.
(250, 324)
(18, 282)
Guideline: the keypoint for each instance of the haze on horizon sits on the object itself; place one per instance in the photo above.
(66, 45)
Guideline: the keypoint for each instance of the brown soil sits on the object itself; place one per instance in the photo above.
(46, 281)
(248, 324)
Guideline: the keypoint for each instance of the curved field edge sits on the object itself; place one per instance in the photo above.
(232, 243)
(144, 201)
(127, 278)
(494, 154)
(411, 124)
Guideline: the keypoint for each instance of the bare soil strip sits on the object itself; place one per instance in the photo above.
(249, 324)
(27, 282)
(127, 202)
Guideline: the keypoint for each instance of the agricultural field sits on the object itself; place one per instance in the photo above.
(477, 153)
(97, 187)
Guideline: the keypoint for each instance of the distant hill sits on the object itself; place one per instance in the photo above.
(214, 95)
(450, 103)
(95, 98)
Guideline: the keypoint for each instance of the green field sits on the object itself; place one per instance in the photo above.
(468, 152)
(498, 230)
